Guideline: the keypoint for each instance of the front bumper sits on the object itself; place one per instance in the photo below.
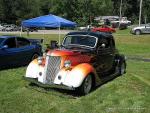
(60, 86)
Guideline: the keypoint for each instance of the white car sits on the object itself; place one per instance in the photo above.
(88, 27)
(1, 27)
(144, 29)
(123, 20)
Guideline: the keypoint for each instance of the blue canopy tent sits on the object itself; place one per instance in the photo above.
(50, 20)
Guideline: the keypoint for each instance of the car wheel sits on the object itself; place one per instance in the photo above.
(122, 68)
(137, 32)
(86, 86)
(34, 56)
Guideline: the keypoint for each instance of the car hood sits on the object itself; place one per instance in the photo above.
(76, 57)
(139, 27)
(63, 52)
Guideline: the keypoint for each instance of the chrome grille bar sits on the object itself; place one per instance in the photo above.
(52, 68)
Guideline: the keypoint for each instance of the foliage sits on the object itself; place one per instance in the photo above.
(81, 11)
(14, 11)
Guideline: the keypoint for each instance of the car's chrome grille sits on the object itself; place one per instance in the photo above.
(52, 68)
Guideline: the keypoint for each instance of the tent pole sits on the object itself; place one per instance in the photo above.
(28, 33)
(21, 31)
(140, 12)
(59, 35)
(43, 36)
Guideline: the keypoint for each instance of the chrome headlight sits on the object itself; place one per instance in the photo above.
(44, 55)
(67, 64)
(40, 60)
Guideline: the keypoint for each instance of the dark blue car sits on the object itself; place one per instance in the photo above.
(18, 51)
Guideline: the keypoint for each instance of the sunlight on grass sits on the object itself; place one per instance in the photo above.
(125, 94)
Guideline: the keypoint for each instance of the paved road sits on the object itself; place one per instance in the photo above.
(138, 58)
(41, 32)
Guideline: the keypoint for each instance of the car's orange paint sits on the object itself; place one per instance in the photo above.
(78, 59)
(73, 56)
(85, 69)
(58, 52)
(35, 61)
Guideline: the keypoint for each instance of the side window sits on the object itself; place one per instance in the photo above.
(11, 43)
(67, 40)
(88, 41)
(22, 42)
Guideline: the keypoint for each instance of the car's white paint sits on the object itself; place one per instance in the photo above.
(143, 29)
(68, 78)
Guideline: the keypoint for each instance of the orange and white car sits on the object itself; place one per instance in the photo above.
(84, 60)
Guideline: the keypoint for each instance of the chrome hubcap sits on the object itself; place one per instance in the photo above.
(88, 84)
(137, 32)
(122, 68)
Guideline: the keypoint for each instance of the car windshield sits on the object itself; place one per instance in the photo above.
(80, 40)
(1, 40)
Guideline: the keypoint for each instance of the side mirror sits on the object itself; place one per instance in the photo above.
(53, 44)
(4, 47)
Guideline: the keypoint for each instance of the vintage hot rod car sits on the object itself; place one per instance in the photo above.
(84, 60)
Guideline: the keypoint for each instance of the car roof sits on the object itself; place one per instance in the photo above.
(95, 34)
(7, 36)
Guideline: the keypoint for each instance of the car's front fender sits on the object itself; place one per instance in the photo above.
(71, 78)
(76, 75)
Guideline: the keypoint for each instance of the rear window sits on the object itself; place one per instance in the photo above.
(10, 42)
(22, 42)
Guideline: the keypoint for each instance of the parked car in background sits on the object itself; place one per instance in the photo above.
(144, 29)
(87, 28)
(8, 28)
(1, 27)
(123, 21)
(104, 28)
(18, 51)
(31, 29)
(123, 26)
(85, 60)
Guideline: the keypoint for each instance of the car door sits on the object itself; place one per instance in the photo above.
(105, 56)
(26, 50)
(8, 54)
(147, 29)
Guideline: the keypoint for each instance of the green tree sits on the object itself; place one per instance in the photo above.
(16, 10)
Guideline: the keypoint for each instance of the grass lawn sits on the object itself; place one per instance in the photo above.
(129, 93)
